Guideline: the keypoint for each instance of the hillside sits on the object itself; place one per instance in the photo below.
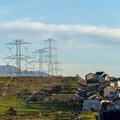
(42, 98)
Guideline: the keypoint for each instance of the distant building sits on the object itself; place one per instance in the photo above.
(106, 77)
(115, 83)
(89, 76)
(91, 105)
(101, 76)
(104, 89)
(116, 100)
(107, 90)
(110, 105)
(97, 77)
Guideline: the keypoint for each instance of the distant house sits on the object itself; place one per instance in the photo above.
(101, 76)
(92, 86)
(107, 90)
(89, 77)
(91, 105)
(106, 77)
(108, 105)
(116, 100)
(115, 83)
(97, 77)
(104, 89)
(111, 105)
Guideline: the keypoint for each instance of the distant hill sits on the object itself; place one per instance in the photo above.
(8, 70)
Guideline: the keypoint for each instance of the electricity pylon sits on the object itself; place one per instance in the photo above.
(18, 43)
(51, 57)
(41, 60)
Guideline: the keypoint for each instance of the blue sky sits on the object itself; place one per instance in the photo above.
(87, 31)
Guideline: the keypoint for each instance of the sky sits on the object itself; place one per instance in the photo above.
(87, 31)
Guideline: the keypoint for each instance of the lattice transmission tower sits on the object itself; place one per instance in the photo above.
(18, 57)
(51, 57)
(40, 60)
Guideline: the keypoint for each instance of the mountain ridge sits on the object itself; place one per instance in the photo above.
(9, 70)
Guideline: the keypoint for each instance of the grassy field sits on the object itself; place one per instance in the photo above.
(35, 109)
(58, 101)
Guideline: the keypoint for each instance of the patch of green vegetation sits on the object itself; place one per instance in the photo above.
(47, 107)
(33, 107)
(18, 105)
(87, 116)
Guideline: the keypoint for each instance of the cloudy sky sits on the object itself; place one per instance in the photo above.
(87, 31)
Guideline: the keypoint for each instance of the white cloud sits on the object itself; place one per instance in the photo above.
(92, 35)
(35, 26)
